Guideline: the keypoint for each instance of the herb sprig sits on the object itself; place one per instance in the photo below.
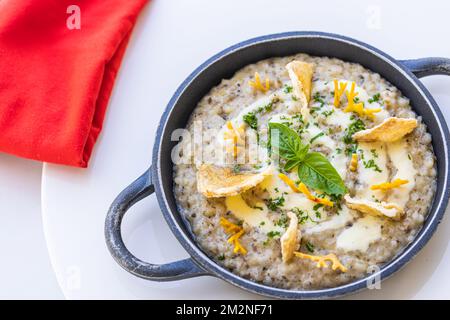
(376, 97)
(314, 169)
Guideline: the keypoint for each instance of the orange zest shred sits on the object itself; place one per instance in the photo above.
(257, 85)
(236, 232)
(322, 260)
(389, 185)
(235, 136)
(303, 189)
(339, 88)
(358, 107)
(354, 162)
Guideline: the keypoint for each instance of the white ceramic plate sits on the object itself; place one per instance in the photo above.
(171, 39)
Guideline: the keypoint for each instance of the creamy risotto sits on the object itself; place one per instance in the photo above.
(304, 172)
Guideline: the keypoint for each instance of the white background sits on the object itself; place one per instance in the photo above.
(171, 39)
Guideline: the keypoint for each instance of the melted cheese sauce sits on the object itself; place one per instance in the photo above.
(340, 163)
(368, 175)
(313, 131)
(335, 222)
(256, 217)
(339, 118)
(398, 153)
(360, 235)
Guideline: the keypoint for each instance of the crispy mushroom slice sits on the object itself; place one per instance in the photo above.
(301, 74)
(289, 240)
(390, 210)
(390, 130)
(214, 181)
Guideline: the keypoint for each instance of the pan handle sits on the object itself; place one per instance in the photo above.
(424, 67)
(139, 189)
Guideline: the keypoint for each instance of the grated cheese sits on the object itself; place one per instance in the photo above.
(303, 189)
(389, 185)
(257, 85)
(289, 182)
(237, 231)
(322, 260)
(229, 226)
(235, 135)
(354, 162)
(325, 201)
(339, 88)
(358, 107)
(234, 239)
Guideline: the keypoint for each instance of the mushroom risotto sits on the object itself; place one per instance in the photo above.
(304, 172)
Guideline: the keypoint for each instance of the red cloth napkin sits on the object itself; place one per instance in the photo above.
(55, 81)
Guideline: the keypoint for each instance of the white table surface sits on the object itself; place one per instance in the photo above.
(25, 270)
(170, 40)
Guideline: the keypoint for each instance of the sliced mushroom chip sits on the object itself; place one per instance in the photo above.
(214, 181)
(390, 210)
(301, 74)
(390, 130)
(289, 240)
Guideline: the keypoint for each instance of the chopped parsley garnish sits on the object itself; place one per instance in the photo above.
(301, 215)
(354, 127)
(351, 148)
(374, 153)
(287, 89)
(283, 221)
(313, 110)
(338, 150)
(376, 97)
(370, 164)
(337, 200)
(317, 136)
(221, 257)
(318, 98)
(309, 246)
(273, 234)
(259, 208)
(274, 204)
(328, 113)
(268, 107)
(262, 223)
(317, 206)
(236, 168)
(361, 153)
(251, 120)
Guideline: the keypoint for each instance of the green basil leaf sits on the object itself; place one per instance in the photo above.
(288, 145)
(317, 173)
(291, 164)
